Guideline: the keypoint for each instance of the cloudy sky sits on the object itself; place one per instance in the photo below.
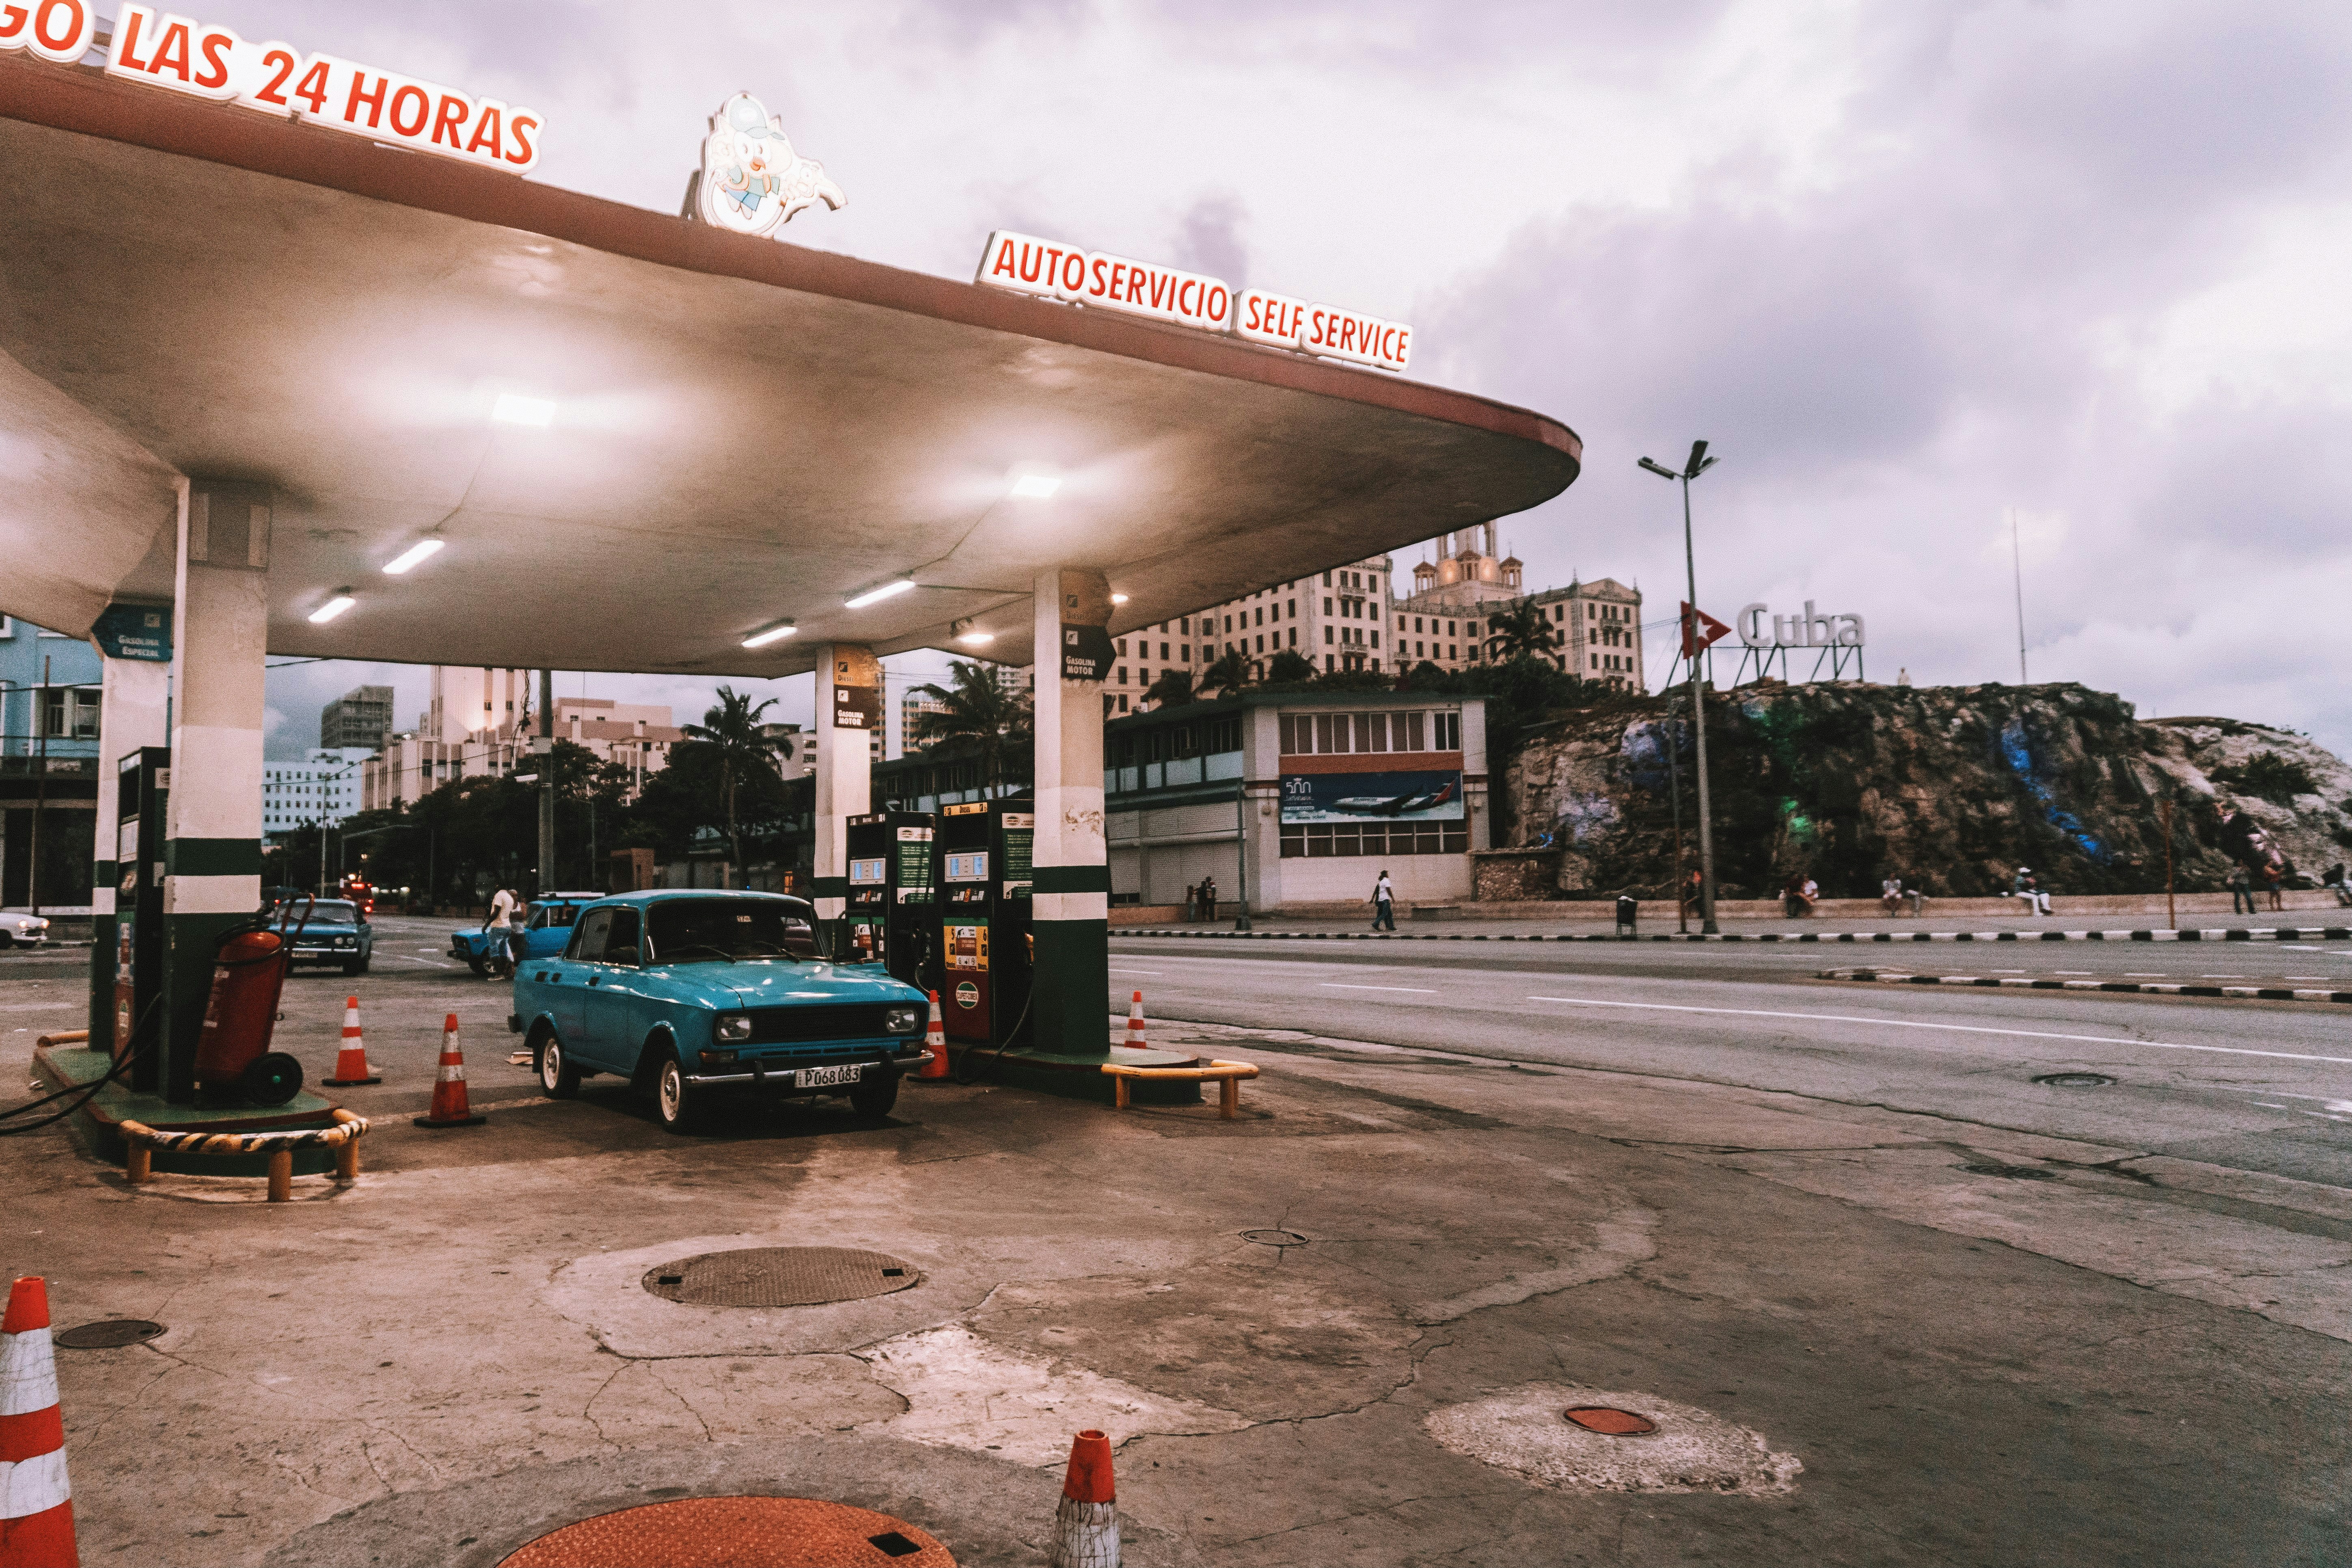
(1909, 266)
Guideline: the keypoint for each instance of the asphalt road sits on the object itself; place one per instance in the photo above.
(2257, 1086)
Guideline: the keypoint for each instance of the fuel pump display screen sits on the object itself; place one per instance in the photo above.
(914, 866)
(1019, 835)
(867, 873)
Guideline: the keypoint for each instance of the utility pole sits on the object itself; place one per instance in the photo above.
(2017, 566)
(1699, 463)
(1241, 842)
(545, 746)
(1675, 774)
(40, 787)
(2171, 916)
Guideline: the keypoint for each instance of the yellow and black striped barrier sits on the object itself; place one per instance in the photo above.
(343, 1138)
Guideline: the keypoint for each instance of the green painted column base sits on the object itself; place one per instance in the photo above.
(101, 981)
(190, 945)
(1070, 989)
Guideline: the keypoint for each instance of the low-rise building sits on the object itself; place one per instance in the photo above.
(49, 690)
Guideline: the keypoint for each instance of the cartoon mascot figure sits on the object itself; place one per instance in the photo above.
(752, 182)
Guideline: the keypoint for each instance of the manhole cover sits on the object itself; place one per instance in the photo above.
(739, 1531)
(2075, 1080)
(781, 1276)
(2014, 1172)
(1610, 1422)
(1275, 1238)
(112, 1334)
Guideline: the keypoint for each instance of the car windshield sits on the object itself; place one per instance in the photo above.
(327, 912)
(726, 930)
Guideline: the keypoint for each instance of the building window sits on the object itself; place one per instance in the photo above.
(1327, 638)
(1294, 636)
(1122, 675)
(67, 715)
(1292, 610)
(1320, 841)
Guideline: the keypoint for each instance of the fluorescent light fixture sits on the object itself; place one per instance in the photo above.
(1119, 598)
(773, 634)
(976, 639)
(335, 607)
(1036, 486)
(513, 408)
(875, 596)
(415, 554)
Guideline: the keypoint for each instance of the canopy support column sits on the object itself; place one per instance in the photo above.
(1070, 858)
(849, 714)
(134, 705)
(212, 851)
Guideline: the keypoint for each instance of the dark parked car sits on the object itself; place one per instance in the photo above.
(693, 995)
(329, 931)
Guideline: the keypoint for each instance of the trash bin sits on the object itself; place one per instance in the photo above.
(1628, 911)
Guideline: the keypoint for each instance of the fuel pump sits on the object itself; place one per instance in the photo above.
(892, 916)
(143, 782)
(984, 954)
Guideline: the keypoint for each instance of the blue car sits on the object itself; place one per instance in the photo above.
(693, 995)
(327, 930)
(486, 949)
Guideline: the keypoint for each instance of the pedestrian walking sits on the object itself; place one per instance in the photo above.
(1383, 903)
(2276, 869)
(2240, 883)
(1694, 893)
(2028, 887)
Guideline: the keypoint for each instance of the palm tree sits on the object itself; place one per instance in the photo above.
(735, 729)
(1172, 690)
(980, 708)
(1229, 674)
(1289, 668)
(1520, 632)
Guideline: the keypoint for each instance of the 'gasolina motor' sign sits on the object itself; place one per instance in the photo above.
(205, 60)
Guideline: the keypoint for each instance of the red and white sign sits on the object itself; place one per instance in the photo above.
(1700, 631)
(58, 31)
(1288, 323)
(207, 61)
(1032, 265)
(1028, 265)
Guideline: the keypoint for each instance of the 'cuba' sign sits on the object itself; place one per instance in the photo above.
(1810, 629)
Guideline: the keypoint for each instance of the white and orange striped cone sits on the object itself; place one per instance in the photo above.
(1135, 1024)
(935, 1040)
(351, 1062)
(450, 1107)
(37, 1526)
(1086, 1527)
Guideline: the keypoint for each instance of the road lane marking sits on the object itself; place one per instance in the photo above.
(1955, 1028)
(1151, 972)
(435, 963)
(1417, 990)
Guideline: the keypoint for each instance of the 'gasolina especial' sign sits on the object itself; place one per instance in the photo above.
(205, 60)
(1028, 265)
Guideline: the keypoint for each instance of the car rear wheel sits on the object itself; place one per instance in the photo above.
(875, 1095)
(556, 1073)
(675, 1099)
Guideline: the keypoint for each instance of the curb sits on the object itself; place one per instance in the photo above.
(2158, 988)
(2236, 934)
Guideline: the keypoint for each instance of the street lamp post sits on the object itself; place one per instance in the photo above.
(1699, 463)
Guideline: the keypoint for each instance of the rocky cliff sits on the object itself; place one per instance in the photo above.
(1951, 788)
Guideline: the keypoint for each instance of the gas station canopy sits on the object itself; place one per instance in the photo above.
(641, 440)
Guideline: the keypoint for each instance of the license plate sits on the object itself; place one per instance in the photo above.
(824, 1078)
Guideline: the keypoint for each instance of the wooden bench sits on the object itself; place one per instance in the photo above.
(1229, 1076)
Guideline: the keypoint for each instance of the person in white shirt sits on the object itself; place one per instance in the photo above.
(503, 904)
(1384, 904)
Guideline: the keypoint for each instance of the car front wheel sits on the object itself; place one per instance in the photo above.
(356, 966)
(481, 968)
(675, 1099)
(876, 1093)
(556, 1073)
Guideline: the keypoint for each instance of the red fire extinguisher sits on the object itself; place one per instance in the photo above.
(233, 1055)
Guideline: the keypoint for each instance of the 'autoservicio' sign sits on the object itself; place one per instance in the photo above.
(1027, 265)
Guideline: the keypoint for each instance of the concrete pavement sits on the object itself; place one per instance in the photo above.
(1985, 1320)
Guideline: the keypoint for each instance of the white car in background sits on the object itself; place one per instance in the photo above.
(23, 931)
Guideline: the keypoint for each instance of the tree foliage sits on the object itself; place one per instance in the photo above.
(981, 713)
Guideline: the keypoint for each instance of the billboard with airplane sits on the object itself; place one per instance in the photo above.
(1359, 797)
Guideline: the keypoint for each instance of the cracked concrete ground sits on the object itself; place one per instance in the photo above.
(2137, 1360)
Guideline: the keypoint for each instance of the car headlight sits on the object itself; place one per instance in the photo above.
(733, 1027)
(902, 1020)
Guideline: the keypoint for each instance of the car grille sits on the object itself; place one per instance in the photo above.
(841, 1021)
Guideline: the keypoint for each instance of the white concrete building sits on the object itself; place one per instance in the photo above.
(324, 787)
(1448, 619)
(1335, 621)
(448, 744)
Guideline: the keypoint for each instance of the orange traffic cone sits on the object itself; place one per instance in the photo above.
(351, 1062)
(450, 1108)
(1135, 1024)
(935, 1040)
(1086, 1527)
(37, 1527)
